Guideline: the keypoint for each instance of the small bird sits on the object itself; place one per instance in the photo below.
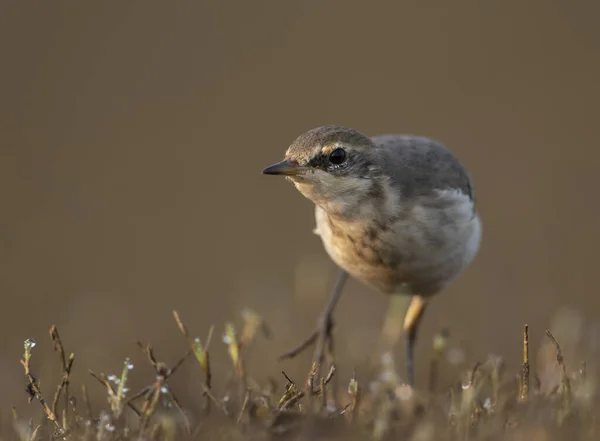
(396, 212)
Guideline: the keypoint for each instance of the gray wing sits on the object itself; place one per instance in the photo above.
(419, 165)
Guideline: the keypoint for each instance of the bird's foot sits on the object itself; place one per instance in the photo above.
(321, 335)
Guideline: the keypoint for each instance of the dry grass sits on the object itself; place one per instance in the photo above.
(484, 403)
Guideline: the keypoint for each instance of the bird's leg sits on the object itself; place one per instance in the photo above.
(392, 328)
(322, 333)
(412, 319)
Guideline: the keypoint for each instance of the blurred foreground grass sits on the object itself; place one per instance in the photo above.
(556, 400)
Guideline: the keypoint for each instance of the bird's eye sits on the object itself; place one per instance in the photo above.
(337, 156)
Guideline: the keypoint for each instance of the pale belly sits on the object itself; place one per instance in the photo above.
(403, 261)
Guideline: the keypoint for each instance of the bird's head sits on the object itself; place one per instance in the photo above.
(332, 166)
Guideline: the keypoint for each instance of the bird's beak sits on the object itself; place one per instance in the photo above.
(285, 167)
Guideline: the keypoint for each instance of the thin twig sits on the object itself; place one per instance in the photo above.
(111, 391)
(149, 406)
(67, 365)
(323, 394)
(286, 404)
(186, 421)
(244, 406)
(140, 394)
(310, 382)
(524, 383)
(163, 373)
(354, 391)
(86, 402)
(566, 382)
(201, 353)
(33, 388)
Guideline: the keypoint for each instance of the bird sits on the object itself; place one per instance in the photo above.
(396, 212)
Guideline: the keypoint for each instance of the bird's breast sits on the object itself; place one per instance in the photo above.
(418, 252)
(359, 251)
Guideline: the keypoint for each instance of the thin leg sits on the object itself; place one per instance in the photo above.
(393, 325)
(322, 332)
(412, 320)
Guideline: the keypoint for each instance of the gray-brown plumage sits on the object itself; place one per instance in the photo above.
(396, 212)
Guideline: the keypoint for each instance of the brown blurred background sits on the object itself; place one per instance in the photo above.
(132, 136)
